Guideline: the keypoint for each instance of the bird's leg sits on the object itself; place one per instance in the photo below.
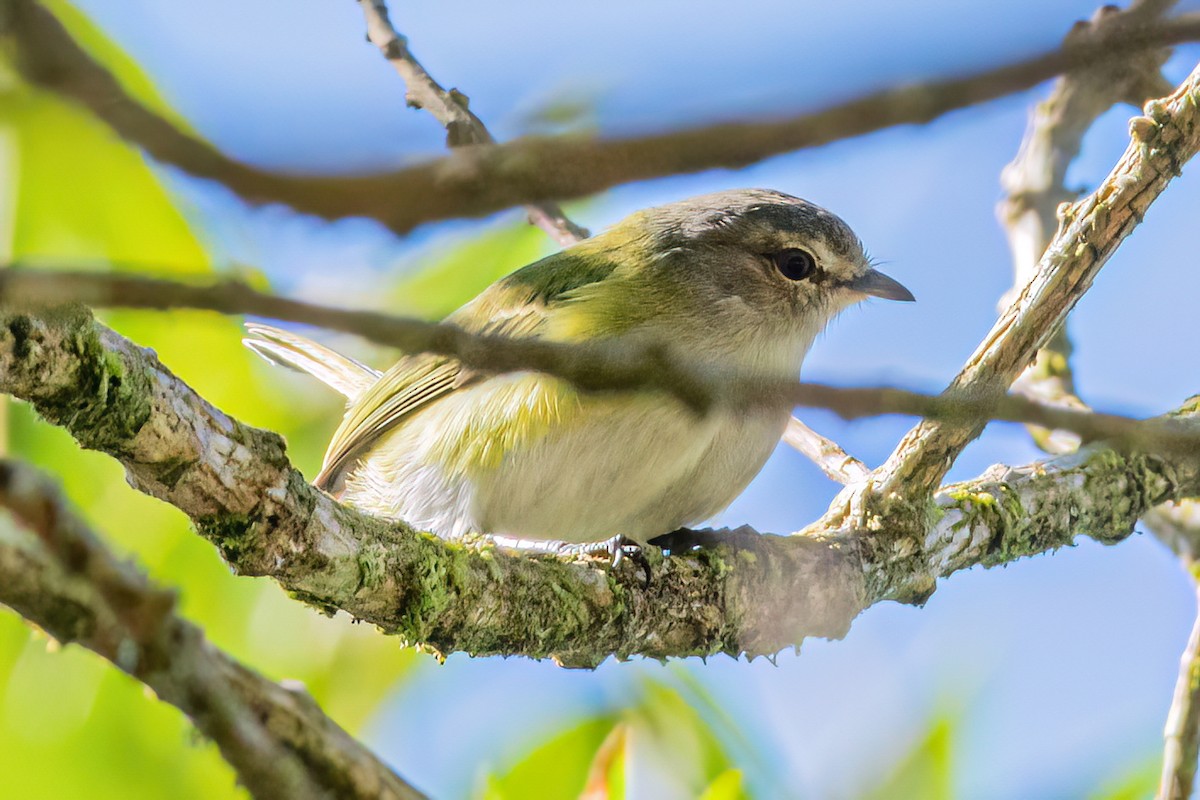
(616, 548)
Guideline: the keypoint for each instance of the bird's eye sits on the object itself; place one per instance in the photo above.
(795, 264)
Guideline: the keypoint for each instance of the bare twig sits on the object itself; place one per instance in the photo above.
(1182, 732)
(825, 453)
(56, 573)
(767, 593)
(600, 366)
(486, 178)
(1035, 185)
(1161, 142)
(450, 108)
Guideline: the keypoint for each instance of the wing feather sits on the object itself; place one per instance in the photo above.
(519, 305)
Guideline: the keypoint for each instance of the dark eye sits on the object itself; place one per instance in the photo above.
(794, 264)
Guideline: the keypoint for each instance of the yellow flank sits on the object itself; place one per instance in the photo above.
(520, 409)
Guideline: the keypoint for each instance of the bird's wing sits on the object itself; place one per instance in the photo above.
(520, 305)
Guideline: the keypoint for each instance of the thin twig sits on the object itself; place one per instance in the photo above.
(595, 367)
(825, 453)
(1182, 732)
(57, 573)
(1035, 185)
(487, 178)
(451, 109)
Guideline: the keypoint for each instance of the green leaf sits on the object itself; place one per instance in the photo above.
(1134, 782)
(726, 786)
(926, 771)
(672, 734)
(558, 768)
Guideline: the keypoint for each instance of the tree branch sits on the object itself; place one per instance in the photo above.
(1182, 732)
(825, 453)
(451, 109)
(754, 594)
(597, 367)
(56, 573)
(1035, 183)
(481, 179)
(1089, 233)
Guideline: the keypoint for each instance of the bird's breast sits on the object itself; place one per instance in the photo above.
(546, 462)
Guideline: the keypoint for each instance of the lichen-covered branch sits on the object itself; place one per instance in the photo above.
(598, 366)
(56, 573)
(754, 594)
(1035, 186)
(1090, 232)
(451, 109)
(487, 178)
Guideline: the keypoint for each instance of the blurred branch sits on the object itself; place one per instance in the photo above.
(486, 178)
(1182, 732)
(1090, 231)
(56, 573)
(827, 454)
(451, 109)
(752, 593)
(1035, 185)
(600, 366)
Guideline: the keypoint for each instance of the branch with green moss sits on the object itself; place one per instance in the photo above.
(56, 573)
(482, 179)
(749, 594)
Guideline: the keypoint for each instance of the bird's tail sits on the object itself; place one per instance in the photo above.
(335, 370)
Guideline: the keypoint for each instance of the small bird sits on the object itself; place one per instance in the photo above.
(739, 280)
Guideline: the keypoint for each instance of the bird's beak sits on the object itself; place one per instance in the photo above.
(876, 284)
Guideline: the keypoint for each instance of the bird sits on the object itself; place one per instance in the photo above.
(741, 281)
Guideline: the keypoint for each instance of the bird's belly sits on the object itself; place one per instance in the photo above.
(612, 464)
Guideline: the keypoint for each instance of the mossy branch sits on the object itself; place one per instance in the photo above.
(751, 594)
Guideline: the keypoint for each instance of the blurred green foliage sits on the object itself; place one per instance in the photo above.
(926, 771)
(658, 745)
(70, 725)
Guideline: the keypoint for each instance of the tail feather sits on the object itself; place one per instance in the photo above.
(339, 372)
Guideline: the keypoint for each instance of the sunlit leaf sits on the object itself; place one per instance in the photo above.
(926, 771)
(557, 768)
(726, 786)
(1134, 782)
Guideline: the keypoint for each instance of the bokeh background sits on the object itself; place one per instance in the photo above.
(1048, 678)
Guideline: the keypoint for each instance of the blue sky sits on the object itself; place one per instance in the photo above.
(1060, 667)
